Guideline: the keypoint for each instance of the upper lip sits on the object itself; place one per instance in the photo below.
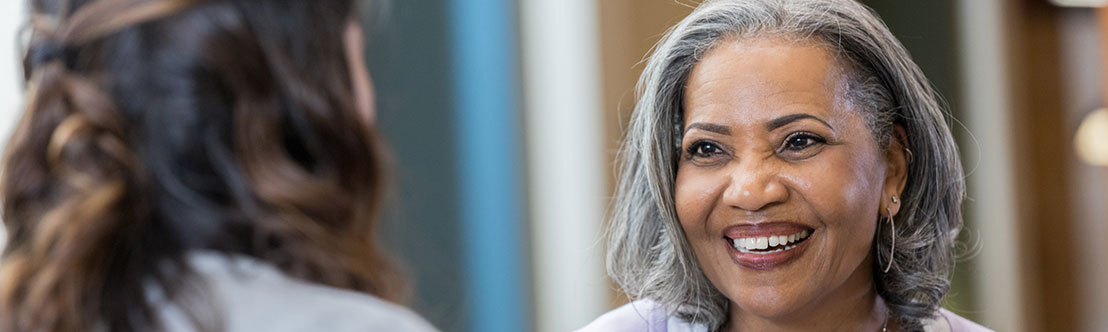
(762, 229)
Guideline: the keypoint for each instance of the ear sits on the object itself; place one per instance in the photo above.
(360, 82)
(897, 160)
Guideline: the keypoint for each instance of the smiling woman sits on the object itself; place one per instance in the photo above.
(783, 172)
(787, 167)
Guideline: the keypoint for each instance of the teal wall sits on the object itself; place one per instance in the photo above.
(446, 76)
(409, 60)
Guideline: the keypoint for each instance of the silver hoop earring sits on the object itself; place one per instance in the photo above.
(892, 251)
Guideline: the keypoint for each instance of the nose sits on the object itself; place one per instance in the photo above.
(754, 186)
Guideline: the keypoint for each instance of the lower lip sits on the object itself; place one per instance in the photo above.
(767, 261)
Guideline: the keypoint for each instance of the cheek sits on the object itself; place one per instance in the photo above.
(696, 192)
(844, 194)
(843, 185)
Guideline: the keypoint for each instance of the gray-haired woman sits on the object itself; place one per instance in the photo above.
(787, 167)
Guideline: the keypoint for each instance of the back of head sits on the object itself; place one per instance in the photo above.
(156, 127)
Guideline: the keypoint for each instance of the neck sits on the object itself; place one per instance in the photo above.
(855, 306)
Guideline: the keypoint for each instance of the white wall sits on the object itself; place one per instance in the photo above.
(12, 17)
(990, 162)
(565, 153)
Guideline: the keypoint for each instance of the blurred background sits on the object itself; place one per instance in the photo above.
(504, 115)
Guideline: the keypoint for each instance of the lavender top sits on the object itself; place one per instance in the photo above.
(648, 316)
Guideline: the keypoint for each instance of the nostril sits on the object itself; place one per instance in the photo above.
(755, 191)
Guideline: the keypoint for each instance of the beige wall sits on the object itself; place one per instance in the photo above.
(1082, 92)
(629, 30)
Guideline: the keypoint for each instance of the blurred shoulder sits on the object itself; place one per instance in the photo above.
(256, 296)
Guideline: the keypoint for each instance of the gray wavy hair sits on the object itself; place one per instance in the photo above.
(648, 253)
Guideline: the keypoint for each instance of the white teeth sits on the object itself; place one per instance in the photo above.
(748, 251)
(747, 245)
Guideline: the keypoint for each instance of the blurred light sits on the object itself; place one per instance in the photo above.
(1091, 140)
(1080, 3)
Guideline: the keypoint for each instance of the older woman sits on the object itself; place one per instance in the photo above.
(787, 167)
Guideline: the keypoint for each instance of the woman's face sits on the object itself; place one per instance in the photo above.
(777, 162)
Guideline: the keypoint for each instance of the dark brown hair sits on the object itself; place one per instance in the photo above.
(156, 127)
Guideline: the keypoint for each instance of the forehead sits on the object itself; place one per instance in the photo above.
(753, 78)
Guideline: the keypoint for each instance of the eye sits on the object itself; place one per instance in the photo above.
(704, 149)
(801, 141)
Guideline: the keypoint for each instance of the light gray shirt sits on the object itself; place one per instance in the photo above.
(250, 295)
(648, 316)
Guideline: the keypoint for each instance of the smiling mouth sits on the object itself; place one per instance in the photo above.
(765, 245)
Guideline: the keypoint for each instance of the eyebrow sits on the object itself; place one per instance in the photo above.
(715, 128)
(784, 120)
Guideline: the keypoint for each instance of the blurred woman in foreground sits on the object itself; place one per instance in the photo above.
(196, 165)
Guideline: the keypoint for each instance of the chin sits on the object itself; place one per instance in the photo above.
(766, 303)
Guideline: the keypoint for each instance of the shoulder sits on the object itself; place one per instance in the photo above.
(255, 296)
(641, 316)
(949, 321)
